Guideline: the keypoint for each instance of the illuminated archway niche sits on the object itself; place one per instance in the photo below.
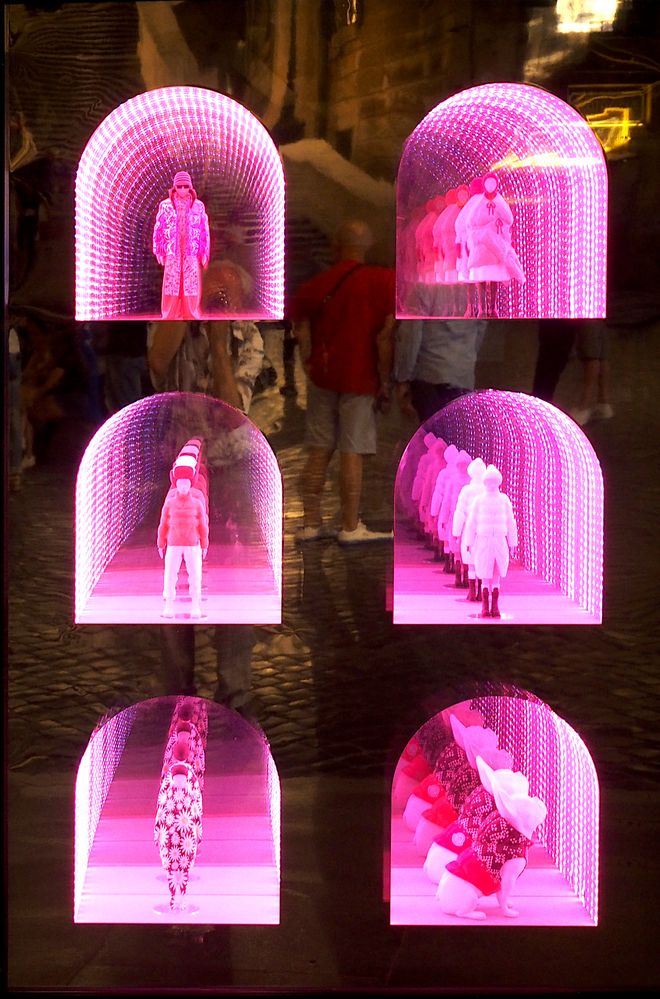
(550, 170)
(119, 875)
(127, 169)
(559, 886)
(553, 478)
(123, 479)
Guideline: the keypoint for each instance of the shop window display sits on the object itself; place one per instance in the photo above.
(177, 818)
(180, 212)
(494, 820)
(178, 517)
(498, 517)
(502, 209)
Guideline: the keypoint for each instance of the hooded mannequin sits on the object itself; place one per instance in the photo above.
(442, 481)
(492, 258)
(183, 533)
(474, 487)
(490, 531)
(178, 825)
(182, 245)
(458, 479)
(498, 855)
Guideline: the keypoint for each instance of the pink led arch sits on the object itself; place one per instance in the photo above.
(122, 482)
(554, 481)
(119, 876)
(550, 170)
(560, 883)
(127, 168)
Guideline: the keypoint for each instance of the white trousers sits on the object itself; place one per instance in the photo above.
(192, 556)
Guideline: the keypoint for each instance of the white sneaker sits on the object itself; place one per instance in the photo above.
(361, 534)
(581, 416)
(314, 533)
(602, 411)
(29, 462)
(168, 610)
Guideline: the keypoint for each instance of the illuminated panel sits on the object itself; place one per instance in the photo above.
(122, 482)
(95, 772)
(127, 169)
(561, 773)
(124, 795)
(551, 475)
(550, 171)
(579, 16)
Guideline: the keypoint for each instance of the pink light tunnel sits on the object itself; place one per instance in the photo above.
(122, 872)
(122, 482)
(560, 883)
(127, 168)
(553, 478)
(549, 169)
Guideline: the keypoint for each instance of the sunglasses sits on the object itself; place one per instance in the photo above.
(183, 187)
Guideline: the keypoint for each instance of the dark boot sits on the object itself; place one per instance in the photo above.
(494, 609)
(449, 562)
(478, 589)
(458, 572)
(472, 594)
(485, 610)
(465, 581)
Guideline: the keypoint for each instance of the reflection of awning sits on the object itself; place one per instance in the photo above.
(325, 188)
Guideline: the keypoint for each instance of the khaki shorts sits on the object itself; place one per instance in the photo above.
(340, 421)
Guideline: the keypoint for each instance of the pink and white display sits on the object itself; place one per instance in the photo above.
(134, 468)
(502, 207)
(549, 558)
(126, 172)
(151, 779)
(510, 835)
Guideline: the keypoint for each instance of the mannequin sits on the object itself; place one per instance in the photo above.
(444, 236)
(450, 455)
(424, 239)
(476, 188)
(458, 479)
(183, 533)
(437, 463)
(490, 532)
(420, 478)
(178, 825)
(186, 738)
(476, 741)
(491, 259)
(498, 855)
(474, 487)
(181, 244)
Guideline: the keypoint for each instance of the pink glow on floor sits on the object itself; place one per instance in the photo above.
(119, 877)
(122, 481)
(127, 168)
(554, 481)
(559, 886)
(551, 172)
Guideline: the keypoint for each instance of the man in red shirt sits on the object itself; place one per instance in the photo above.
(344, 320)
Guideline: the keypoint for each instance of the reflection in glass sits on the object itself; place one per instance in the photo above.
(501, 209)
(542, 529)
(134, 564)
(152, 777)
(126, 168)
(495, 818)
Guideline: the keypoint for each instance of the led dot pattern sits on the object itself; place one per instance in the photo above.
(127, 168)
(550, 473)
(550, 170)
(562, 774)
(95, 773)
(124, 474)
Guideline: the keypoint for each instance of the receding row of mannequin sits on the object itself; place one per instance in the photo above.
(470, 814)
(462, 515)
(178, 825)
(183, 531)
(462, 239)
